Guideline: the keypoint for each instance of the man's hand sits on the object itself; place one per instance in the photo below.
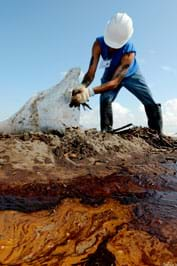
(80, 95)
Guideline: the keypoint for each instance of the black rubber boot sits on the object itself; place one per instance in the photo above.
(106, 116)
(154, 115)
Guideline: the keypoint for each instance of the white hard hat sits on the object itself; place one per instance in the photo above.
(118, 30)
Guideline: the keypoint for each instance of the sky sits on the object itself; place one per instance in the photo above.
(40, 40)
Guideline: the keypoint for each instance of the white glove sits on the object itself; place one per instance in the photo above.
(81, 94)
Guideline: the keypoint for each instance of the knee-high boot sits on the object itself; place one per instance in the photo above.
(154, 115)
(106, 116)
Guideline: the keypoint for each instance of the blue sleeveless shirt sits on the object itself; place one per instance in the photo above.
(115, 60)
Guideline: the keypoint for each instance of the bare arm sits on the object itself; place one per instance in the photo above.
(89, 76)
(118, 76)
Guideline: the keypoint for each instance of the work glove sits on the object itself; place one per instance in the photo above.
(80, 95)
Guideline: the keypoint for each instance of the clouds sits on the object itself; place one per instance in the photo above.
(122, 116)
(169, 69)
(170, 115)
(152, 51)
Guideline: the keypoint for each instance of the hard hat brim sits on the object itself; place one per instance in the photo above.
(112, 44)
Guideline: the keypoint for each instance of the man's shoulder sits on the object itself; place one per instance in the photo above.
(129, 43)
(100, 39)
(129, 46)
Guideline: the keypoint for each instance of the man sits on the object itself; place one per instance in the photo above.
(121, 69)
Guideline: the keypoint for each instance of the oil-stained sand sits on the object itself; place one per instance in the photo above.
(88, 198)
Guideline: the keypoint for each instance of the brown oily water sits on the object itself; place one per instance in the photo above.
(76, 206)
